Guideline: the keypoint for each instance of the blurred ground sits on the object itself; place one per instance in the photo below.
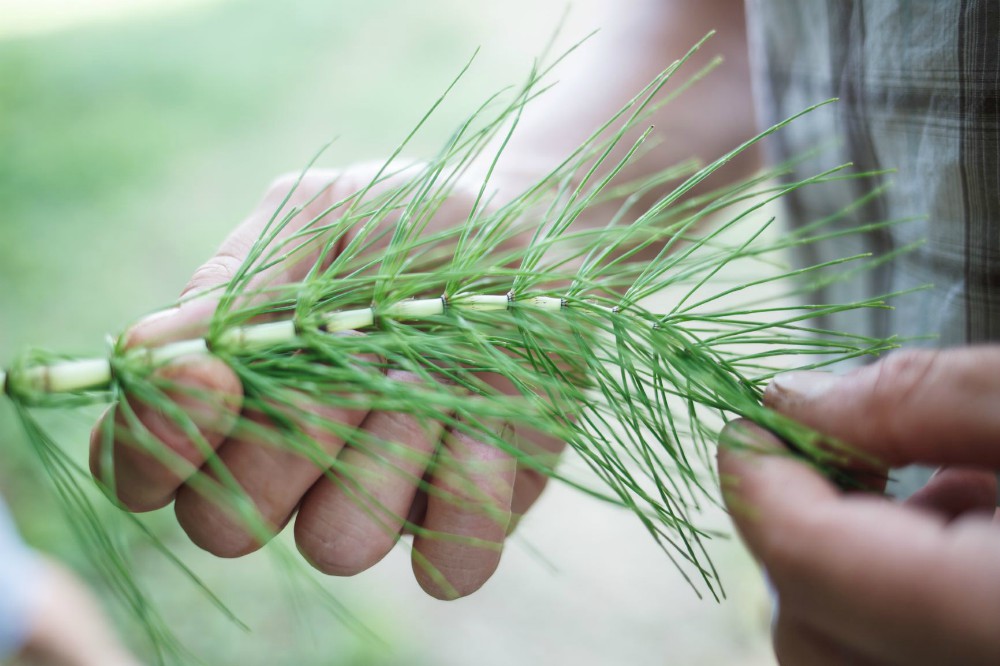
(131, 140)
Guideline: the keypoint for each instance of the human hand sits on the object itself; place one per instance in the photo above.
(474, 490)
(861, 579)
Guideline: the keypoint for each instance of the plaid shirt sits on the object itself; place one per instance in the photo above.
(919, 89)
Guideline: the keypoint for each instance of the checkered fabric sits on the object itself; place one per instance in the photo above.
(918, 83)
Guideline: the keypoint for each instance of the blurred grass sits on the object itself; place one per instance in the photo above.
(128, 149)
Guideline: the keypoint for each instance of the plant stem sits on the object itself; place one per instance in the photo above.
(94, 374)
(66, 376)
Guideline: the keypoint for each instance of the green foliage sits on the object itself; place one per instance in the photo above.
(636, 394)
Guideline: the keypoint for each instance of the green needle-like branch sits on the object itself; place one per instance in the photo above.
(521, 291)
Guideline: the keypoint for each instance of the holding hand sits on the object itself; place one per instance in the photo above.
(460, 496)
(861, 579)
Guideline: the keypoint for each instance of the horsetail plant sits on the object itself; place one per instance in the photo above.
(519, 324)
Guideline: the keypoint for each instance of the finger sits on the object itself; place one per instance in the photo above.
(468, 512)
(537, 454)
(144, 481)
(756, 474)
(540, 454)
(270, 466)
(796, 644)
(865, 569)
(352, 518)
(956, 491)
(293, 205)
(152, 453)
(932, 407)
(310, 197)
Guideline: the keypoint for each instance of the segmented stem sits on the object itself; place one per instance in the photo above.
(95, 374)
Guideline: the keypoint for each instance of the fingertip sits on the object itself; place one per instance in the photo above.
(338, 553)
(741, 434)
(144, 331)
(769, 493)
(530, 479)
(341, 535)
(923, 406)
(153, 452)
(450, 581)
(741, 440)
(442, 591)
(791, 390)
(528, 487)
(455, 563)
(215, 528)
(741, 444)
(758, 458)
(114, 466)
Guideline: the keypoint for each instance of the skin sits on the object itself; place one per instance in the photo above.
(68, 626)
(477, 493)
(335, 532)
(860, 578)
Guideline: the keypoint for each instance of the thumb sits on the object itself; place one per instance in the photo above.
(305, 197)
(146, 477)
(937, 407)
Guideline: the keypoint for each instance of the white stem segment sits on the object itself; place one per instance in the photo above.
(160, 355)
(484, 303)
(259, 335)
(69, 376)
(348, 320)
(75, 376)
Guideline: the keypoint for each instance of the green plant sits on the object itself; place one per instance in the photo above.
(520, 290)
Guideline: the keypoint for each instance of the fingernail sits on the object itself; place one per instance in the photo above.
(737, 435)
(796, 387)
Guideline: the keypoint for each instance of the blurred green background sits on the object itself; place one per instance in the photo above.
(132, 138)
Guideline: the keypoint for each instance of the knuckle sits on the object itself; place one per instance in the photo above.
(896, 386)
(903, 373)
(218, 270)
